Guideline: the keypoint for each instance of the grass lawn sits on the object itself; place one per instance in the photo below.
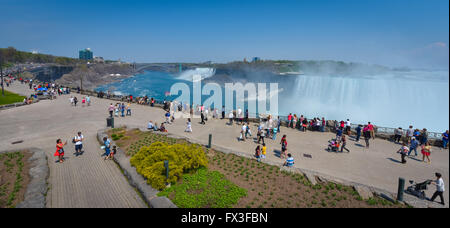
(14, 168)
(10, 98)
(231, 181)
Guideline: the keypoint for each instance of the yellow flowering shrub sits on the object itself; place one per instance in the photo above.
(183, 158)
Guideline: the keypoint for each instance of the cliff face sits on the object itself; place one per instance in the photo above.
(96, 74)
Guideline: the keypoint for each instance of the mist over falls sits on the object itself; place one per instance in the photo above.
(386, 97)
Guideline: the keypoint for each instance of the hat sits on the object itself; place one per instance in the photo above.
(413, 138)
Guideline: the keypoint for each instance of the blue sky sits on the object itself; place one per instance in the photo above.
(412, 33)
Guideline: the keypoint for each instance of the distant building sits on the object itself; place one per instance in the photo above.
(256, 59)
(86, 54)
(99, 59)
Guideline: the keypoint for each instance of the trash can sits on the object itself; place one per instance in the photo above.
(110, 122)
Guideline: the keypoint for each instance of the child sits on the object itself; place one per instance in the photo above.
(274, 133)
(289, 161)
(264, 151)
(403, 151)
(258, 153)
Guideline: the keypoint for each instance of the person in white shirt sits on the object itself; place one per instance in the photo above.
(440, 188)
(243, 130)
(150, 125)
(78, 143)
(239, 114)
(71, 101)
(231, 116)
(188, 126)
(348, 127)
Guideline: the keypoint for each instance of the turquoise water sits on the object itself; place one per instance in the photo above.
(151, 83)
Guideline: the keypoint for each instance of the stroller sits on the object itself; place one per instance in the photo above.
(418, 189)
(333, 146)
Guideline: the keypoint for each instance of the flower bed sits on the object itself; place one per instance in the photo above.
(14, 168)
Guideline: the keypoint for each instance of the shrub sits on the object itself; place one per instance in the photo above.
(183, 158)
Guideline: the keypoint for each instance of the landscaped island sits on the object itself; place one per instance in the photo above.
(205, 178)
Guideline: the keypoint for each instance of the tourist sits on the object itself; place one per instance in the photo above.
(409, 133)
(188, 126)
(344, 143)
(324, 124)
(278, 124)
(289, 161)
(260, 134)
(71, 100)
(113, 152)
(231, 116)
(83, 102)
(283, 147)
(348, 127)
(338, 134)
(162, 128)
(128, 108)
(75, 101)
(111, 110)
(372, 130)
(440, 188)
(248, 131)
(264, 151)
(223, 112)
(305, 124)
(107, 147)
(167, 115)
(275, 130)
(116, 110)
(445, 139)
(246, 116)
(418, 135)
(358, 132)
(294, 121)
(413, 146)
(78, 140)
(88, 100)
(366, 134)
(150, 125)
(289, 122)
(155, 127)
(122, 110)
(243, 130)
(202, 116)
(398, 133)
(403, 151)
(60, 150)
(423, 137)
(258, 153)
(426, 152)
(239, 115)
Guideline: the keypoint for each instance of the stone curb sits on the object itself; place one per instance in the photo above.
(135, 179)
(37, 188)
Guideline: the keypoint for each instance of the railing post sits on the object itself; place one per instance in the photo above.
(210, 141)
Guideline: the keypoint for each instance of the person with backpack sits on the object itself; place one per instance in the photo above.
(358, 132)
(403, 151)
(78, 140)
(413, 146)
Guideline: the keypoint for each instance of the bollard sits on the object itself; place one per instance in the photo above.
(401, 188)
(166, 165)
(209, 141)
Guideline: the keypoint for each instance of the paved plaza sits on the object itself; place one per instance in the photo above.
(89, 181)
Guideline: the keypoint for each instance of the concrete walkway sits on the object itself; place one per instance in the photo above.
(42, 123)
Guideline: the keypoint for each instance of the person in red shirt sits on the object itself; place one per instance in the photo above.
(60, 150)
(289, 120)
(371, 129)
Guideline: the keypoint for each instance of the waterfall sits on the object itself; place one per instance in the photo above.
(203, 72)
(397, 99)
